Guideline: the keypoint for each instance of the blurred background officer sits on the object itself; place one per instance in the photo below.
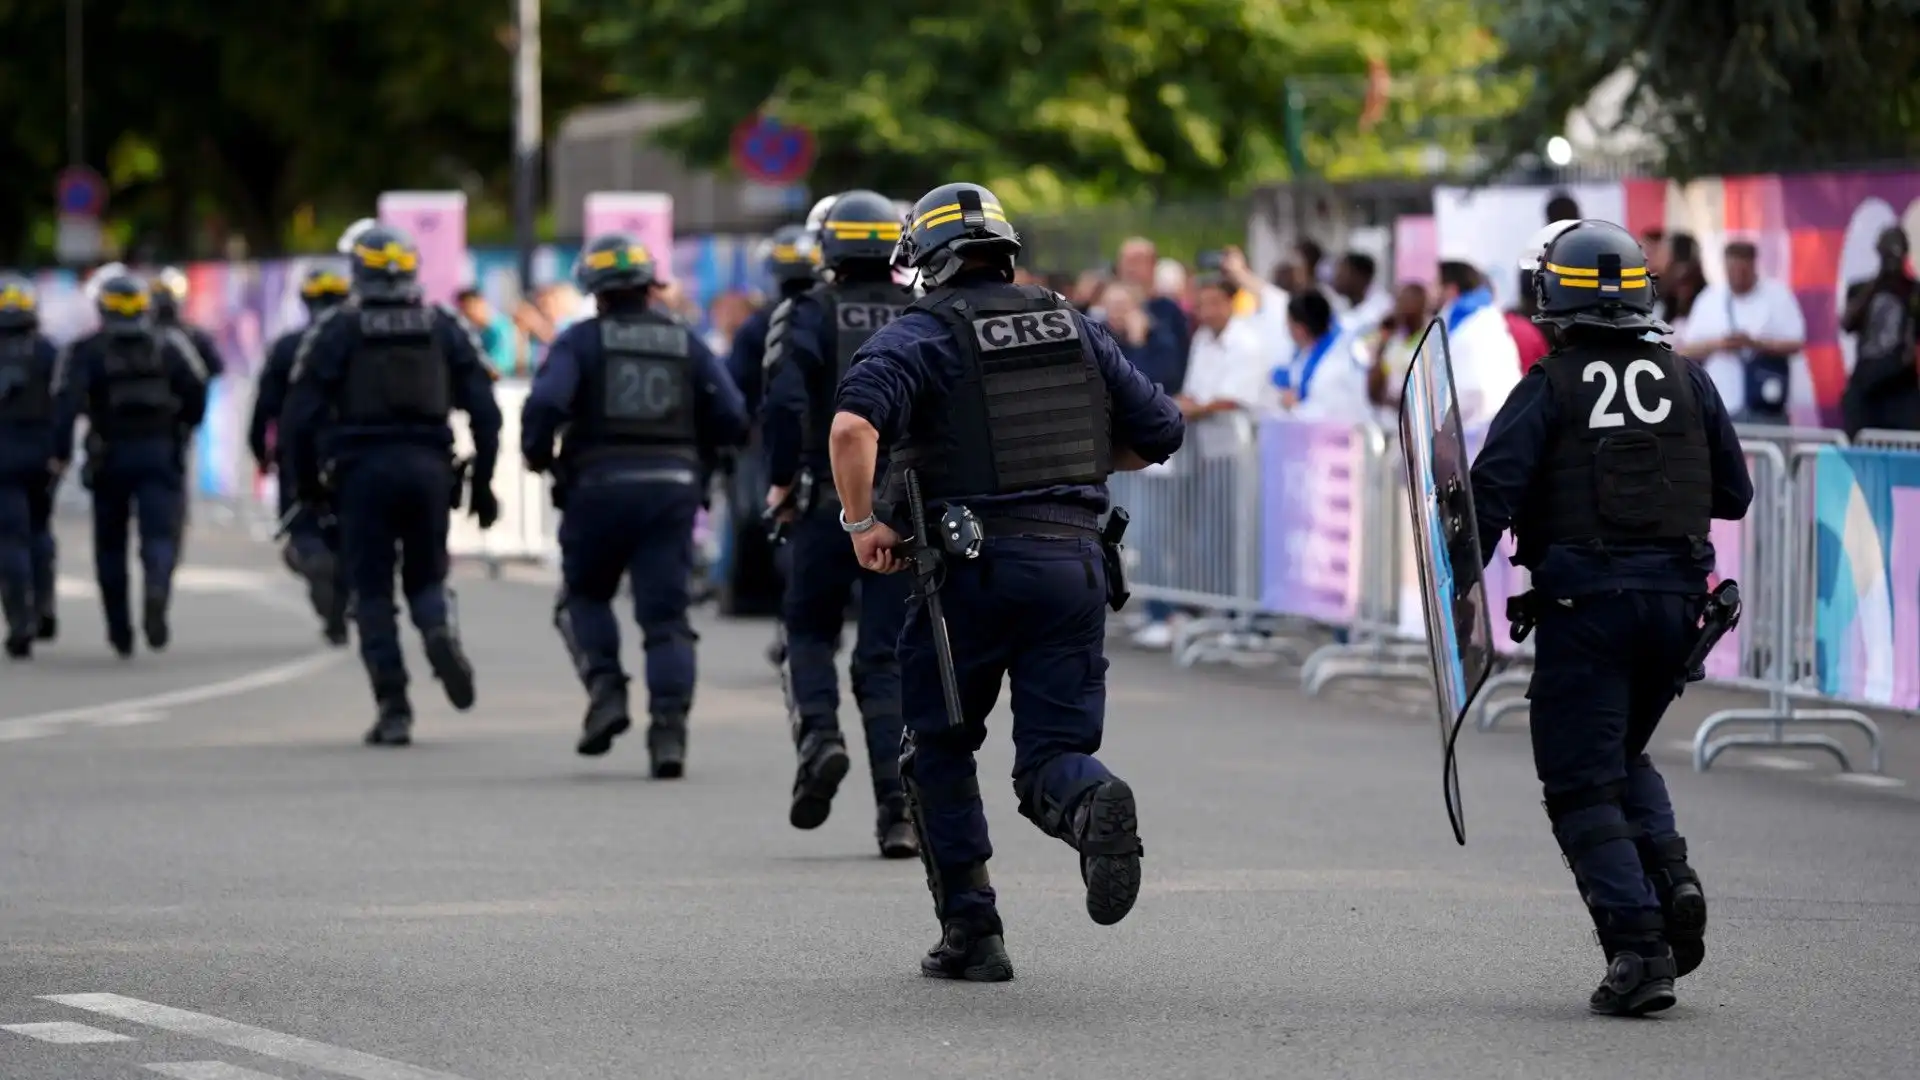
(793, 263)
(1609, 462)
(142, 390)
(27, 456)
(169, 313)
(365, 426)
(309, 552)
(806, 358)
(642, 399)
(1009, 403)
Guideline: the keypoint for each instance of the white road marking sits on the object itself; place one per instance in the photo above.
(1785, 764)
(1870, 780)
(273, 1044)
(65, 1032)
(155, 706)
(202, 580)
(206, 1070)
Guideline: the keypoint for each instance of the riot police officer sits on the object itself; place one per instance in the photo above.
(818, 333)
(365, 428)
(1012, 410)
(142, 390)
(791, 263)
(1609, 462)
(169, 299)
(642, 399)
(27, 455)
(310, 549)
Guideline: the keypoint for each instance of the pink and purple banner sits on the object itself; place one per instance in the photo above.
(437, 221)
(1866, 617)
(1310, 492)
(645, 215)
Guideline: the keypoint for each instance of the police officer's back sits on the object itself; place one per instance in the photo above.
(170, 289)
(1609, 462)
(27, 455)
(791, 263)
(643, 402)
(1009, 404)
(142, 390)
(366, 430)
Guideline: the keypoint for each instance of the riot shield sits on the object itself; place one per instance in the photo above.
(1447, 547)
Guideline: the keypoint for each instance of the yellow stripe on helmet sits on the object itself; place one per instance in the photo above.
(939, 215)
(625, 258)
(124, 303)
(391, 257)
(864, 230)
(15, 298)
(324, 285)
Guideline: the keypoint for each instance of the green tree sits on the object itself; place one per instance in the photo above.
(1724, 85)
(1048, 101)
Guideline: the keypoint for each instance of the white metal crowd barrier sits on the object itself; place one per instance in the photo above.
(1283, 533)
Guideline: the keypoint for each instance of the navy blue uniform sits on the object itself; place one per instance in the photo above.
(748, 353)
(372, 387)
(1616, 617)
(142, 394)
(805, 368)
(310, 551)
(27, 417)
(1030, 610)
(203, 343)
(628, 476)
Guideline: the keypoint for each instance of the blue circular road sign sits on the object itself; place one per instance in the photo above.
(770, 152)
(80, 192)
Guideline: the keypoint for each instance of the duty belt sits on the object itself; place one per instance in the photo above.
(1057, 521)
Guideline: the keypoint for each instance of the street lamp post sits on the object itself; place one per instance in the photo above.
(526, 135)
(76, 117)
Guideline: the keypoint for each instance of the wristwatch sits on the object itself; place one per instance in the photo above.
(856, 527)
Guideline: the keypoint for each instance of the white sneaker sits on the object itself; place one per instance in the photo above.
(1157, 635)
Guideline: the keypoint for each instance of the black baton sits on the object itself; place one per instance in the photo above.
(926, 574)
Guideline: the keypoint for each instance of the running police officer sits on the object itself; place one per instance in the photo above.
(310, 549)
(806, 360)
(642, 399)
(169, 301)
(27, 473)
(1011, 409)
(365, 430)
(1609, 462)
(142, 390)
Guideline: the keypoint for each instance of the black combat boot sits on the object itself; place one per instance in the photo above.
(49, 626)
(17, 605)
(394, 727)
(895, 830)
(449, 662)
(1683, 900)
(1640, 967)
(1106, 833)
(121, 638)
(153, 619)
(971, 949)
(667, 745)
(823, 764)
(606, 715)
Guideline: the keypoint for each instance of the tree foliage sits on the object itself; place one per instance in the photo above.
(1725, 85)
(1048, 101)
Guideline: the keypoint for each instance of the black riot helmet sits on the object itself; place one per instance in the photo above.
(1591, 274)
(125, 305)
(169, 290)
(860, 227)
(19, 303)
(790, 256)
(952, 224)
(614, 262)
(322, 287)
(385, 265)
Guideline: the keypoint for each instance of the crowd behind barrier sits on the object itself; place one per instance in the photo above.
(1291, 538)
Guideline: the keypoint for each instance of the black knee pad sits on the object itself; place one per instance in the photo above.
(1574, 845)
(1055, 818)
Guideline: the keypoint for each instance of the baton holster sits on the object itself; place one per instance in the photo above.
(96, 456)
(1721, 615)
(1114, 555)
(799, 500)
(462, 469)
(1523, 614)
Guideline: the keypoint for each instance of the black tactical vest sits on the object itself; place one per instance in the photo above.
(137, 398)
(1030, 409)
(642, 394)
(26, 390)
(853, 313)
(397, 373)
(1628, 461)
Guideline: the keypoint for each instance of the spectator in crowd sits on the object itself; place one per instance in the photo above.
(1653, 242)
(1392, 346)
(1528, 340)
(1679, 289)
(1300, 270)
(730, 310)
(1158, 355)
(494, 333)
(1086, 288)
(1360, 307)
(1170, 284)
(1883, 315)
(1561, 207)
(1327, 379)
(1137, 264)
(1486, 363)
(1746, 331)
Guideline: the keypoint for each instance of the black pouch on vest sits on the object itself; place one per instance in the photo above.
(1630, 471)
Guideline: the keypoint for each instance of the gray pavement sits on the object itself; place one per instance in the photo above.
(204, 875)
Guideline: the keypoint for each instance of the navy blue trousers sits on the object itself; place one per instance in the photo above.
(393, 514)
(143, 492)
(1605, 670)
(641, 529)
(17, 594)
(819, 587)
(1029, 612)
(45, 551)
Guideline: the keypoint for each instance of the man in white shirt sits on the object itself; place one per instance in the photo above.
(1486, 363)
(1356, 303)
(1745, 331)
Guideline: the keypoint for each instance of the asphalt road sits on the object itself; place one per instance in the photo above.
(204, 875)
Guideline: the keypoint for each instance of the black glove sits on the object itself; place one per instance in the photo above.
(486, 508)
